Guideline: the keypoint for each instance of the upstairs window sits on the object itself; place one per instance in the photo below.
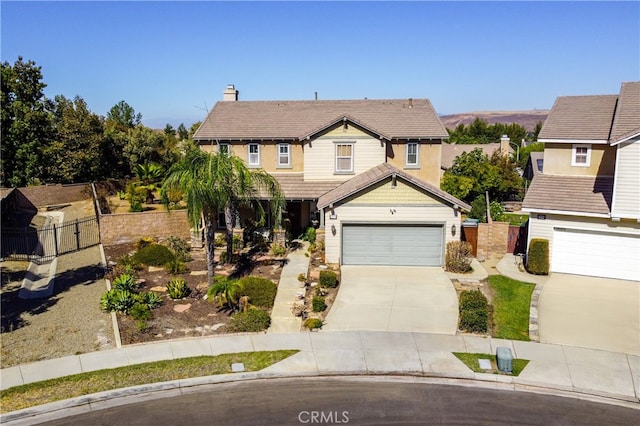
(253, 157)
(344, 158)
(284, 155)
(581, 155)
(412, 155)
(224, 148)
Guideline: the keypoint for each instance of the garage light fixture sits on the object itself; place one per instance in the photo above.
(453, 230)
(333, 230)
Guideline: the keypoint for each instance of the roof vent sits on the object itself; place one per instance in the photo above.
(410, 102)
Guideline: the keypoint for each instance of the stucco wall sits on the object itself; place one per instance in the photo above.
(557, 160)
(268, 155)
(429, 158)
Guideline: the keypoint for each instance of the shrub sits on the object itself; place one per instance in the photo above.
(278, 250)
(150, 299)
(312, 248)
(177, 288)
(126, 282)
(458, 257)
(328, 279)
(128, 264)
(224, 258)
(225, 290)
(472, 300)
(140, 311)
(153, 255)
(136, 196)
(220, 240)
(176, 266)
(310, 235)
(237, 243)
(302, 277)
(474, 311)
(261, 291)
(479, 209)
(318, 304)
(474, 321)
(144, 242)
(538, 256)
(179, 247)
(313, 323)
(251, 321)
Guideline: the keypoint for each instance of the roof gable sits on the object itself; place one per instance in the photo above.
(378, 174)
(293, 120)
(580, 118)
(626, 123)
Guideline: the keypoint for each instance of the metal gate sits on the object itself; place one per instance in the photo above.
(43, 244)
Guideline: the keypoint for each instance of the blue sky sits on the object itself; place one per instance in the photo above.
(171, 60)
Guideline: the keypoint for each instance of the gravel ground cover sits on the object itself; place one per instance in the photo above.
(67, 323)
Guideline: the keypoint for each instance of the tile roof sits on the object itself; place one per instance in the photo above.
(627, 119)
(376, 174)
(586, 194)
(295, 187)
(580, 118)
(294, 120)
(449, 152)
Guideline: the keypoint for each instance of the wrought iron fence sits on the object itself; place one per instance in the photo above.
(43, 244)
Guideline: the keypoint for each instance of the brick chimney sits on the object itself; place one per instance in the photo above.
(230, 93)
(504, 145)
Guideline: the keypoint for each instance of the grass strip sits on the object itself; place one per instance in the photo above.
(471, 361)
(511, 302)
(32, 394)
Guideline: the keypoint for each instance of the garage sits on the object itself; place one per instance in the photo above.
(596, 253)
(385, 244)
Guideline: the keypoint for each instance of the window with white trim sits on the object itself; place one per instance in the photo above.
(224, 148)
(253, 155)
(284, 155)
(581, 155)
(411, 159)
(344, 157)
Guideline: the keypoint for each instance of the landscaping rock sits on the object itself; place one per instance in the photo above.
(198, 273)
(182, 308)
(160, 289)
(156, 268)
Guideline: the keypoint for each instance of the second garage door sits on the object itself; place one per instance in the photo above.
(599, 254)
(414, 245)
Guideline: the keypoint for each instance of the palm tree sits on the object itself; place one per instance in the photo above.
(226, 291)
(213, 182)
(149, 177)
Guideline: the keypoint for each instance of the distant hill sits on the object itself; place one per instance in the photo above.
(526, 119)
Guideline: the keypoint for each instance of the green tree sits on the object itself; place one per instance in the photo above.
(211, 183)
(183, 133)
(26, 123)
(149, 178)
(123, 117)
(75, 153)
(473, 173)
(144, 145)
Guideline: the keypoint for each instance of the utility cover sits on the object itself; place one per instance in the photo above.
(485, 364)
(237, 367)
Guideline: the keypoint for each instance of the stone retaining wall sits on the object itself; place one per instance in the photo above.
(129, 227)
(493, 239)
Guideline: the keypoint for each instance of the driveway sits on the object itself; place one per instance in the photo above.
(394, 298)
(590, 312)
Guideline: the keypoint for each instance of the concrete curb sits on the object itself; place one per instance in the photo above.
(136, 394)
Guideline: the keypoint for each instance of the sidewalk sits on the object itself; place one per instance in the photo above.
(552, 367)
(282, 318)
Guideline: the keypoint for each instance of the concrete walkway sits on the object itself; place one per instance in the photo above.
(552, 368)
(282, 318)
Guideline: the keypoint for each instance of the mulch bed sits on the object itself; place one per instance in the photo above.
(201, 317)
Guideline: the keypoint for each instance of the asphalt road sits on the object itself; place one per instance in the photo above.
(374, 401)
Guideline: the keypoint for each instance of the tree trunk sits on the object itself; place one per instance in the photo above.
(230, 219)
(209, 228)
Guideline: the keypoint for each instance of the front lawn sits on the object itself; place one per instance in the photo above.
(511, 301)
(38, 393)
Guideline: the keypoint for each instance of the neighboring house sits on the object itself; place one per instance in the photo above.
(534, 165)
(586, 201)
(373, 162)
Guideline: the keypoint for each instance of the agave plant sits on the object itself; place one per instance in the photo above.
(177, 288)
(116, 300)
(126, 282)
(150, 298)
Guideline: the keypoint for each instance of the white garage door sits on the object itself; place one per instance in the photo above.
(415, 245)
(599, 254)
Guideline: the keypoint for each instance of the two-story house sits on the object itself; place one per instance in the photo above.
(586, 201)
(367, 171)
